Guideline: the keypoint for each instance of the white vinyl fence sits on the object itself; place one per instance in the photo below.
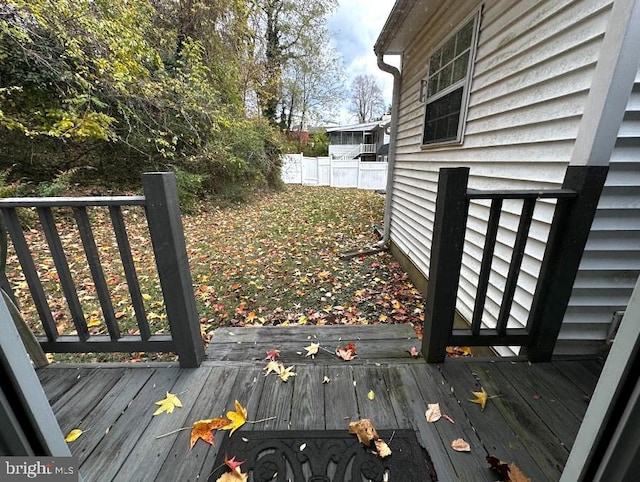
(324, 171)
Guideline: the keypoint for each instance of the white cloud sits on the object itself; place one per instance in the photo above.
(355, 28)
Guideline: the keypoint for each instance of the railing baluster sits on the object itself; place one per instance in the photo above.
(117, 221)
(62, 266)
(97, 273)
(30, 273)
(485, 267)
(522, 235)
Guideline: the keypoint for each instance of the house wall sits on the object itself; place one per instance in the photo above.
(611, 262)
(532, 74)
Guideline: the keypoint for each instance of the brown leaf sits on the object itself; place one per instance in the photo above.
(233, 477)
(364, 431)
(347, 353)
(460, 445)
(272, 355)
(203, 429)
(506, 472)
(382, 448)
(413, 351)
(433, 413)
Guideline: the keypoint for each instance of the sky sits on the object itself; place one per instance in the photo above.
(355, 28)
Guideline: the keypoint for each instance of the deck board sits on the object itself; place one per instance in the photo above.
(532, 420)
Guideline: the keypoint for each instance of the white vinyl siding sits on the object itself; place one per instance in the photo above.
(611, 262)
(534, 64)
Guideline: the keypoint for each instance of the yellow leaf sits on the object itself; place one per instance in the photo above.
(93, 322)
(272, 366)
(285, 373)
(481, 398)
(146, 297)
(73, 435)
(303, 320)
(371, 395)
(168, 403)
(233, 477)
(237, 418)
(312, 349)
(382, 318)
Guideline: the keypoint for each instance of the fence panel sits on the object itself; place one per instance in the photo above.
(325, 171)
(372, 175)
(291, 168)
(310, 171)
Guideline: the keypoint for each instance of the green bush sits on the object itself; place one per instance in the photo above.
(190, 188)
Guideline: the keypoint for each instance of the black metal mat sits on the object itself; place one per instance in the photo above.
(324, 456)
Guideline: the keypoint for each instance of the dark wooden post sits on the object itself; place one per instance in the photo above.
(449, 227)
(167, 237)
(570, 229)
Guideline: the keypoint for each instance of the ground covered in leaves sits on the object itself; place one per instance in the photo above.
(273, 261)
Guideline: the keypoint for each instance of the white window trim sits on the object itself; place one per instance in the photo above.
(466, 83)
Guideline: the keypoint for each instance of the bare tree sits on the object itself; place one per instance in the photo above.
(367, 102)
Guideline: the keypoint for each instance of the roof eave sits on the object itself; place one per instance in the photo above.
(399, 29)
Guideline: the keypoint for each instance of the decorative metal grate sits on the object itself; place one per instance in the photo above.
(324, 456)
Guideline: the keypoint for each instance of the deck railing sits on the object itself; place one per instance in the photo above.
(575, 207)
(160, 202)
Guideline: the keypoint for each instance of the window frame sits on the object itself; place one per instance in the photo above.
(465, 83)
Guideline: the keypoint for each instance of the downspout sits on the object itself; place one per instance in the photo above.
(395, 101)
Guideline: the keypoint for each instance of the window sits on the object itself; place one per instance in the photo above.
(446, 87)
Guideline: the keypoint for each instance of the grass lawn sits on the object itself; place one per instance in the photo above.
(272, 261)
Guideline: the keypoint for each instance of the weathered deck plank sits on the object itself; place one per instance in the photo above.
(536, 410)
(497, 436)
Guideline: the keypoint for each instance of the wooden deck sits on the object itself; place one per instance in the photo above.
(531, 419)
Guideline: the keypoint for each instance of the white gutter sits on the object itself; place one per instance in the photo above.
(395, 101)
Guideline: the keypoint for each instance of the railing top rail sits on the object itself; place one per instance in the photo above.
(521, 194)
(49, 202)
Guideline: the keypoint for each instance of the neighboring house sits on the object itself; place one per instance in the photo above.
(363, 141)
(517, 91)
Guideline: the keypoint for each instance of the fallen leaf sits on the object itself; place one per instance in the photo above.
(326, 379)
(272, 366)
(447, 417)
(371, 395)
(93, 322)
(346, 353)
(272, 355)
(506, 472)
(413, 351)
(286, 373)
(233, 477)
(364, 431)
(481, 398)
(516, 475)
(433, 413)
(459, 445)
(382, 448)
(167, 404)
(302, 447)
(312, 349)
(236, 418)
(203, 429)
(73, 435)
(233, 464)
